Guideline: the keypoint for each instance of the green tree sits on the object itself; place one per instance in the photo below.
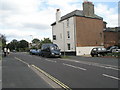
(23, 44)
(35, 40)
(3, 40)
(45, 40)
(13, 45)
(35, 43)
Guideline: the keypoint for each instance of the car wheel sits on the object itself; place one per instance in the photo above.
(97, 55)
(42, 55)
(92, 55)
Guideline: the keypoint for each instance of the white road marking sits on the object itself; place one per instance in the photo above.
(94, 64)
(28, 65)
(22, 61)
(112, 68)
(74, 66)
(50, 60)
(110, 76)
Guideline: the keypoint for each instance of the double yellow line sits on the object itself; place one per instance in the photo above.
(52, 78)
(48, 75)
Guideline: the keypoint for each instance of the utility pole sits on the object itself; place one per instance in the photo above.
(64, 38)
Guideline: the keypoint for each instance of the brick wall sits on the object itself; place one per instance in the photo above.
(111, 38)
(89, 32)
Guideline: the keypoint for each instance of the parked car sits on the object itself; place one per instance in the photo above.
(50, 50)
(39, 52)
(112, 49)
(98, 52)
(35, 52)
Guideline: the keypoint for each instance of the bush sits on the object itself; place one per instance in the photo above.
(115, 54)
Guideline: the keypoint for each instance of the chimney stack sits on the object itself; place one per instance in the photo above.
(58, 15)
(88, 8)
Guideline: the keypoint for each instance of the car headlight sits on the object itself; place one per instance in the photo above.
(60, 53)
(53, 54)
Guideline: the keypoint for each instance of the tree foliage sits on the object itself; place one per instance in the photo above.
(35, 40)
(3, 40)
(13, 45)
(21, 45)
(45, 40)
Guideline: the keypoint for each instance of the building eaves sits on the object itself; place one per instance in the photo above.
(96, 16)
(53, 24)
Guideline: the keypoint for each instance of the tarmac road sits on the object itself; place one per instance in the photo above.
(77, 72)
(18, 75)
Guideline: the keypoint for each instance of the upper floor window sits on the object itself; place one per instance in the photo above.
(68, 34)
(67, 22)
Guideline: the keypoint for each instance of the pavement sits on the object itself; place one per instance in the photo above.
(0, 74)
(87, 55)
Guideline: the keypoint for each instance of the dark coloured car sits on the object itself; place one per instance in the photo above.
(50, 50)
(98, 52)
(113, 49)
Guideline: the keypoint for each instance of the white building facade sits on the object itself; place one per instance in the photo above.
(64, 33)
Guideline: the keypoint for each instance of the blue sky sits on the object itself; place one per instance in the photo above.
(19, 19)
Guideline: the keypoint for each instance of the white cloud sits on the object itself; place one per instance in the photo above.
(22, 18)
(109, 15)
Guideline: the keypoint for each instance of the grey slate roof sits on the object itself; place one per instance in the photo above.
(74, 13)
(77, 13)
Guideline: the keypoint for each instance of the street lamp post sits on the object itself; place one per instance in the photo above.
(31, 38)
(30, 44)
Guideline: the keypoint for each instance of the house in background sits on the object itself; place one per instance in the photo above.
(111, 36)
(79, 31)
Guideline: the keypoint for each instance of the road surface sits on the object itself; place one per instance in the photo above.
(74, 72)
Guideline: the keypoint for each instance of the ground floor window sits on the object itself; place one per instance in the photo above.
(68, 46)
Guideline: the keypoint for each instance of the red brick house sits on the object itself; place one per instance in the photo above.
(111, 36)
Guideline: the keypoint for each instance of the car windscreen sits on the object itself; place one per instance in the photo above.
(54, 47)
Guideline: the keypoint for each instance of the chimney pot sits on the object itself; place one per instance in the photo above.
(58, 15)
(88, 8)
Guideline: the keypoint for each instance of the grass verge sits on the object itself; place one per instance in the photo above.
(65, 57)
